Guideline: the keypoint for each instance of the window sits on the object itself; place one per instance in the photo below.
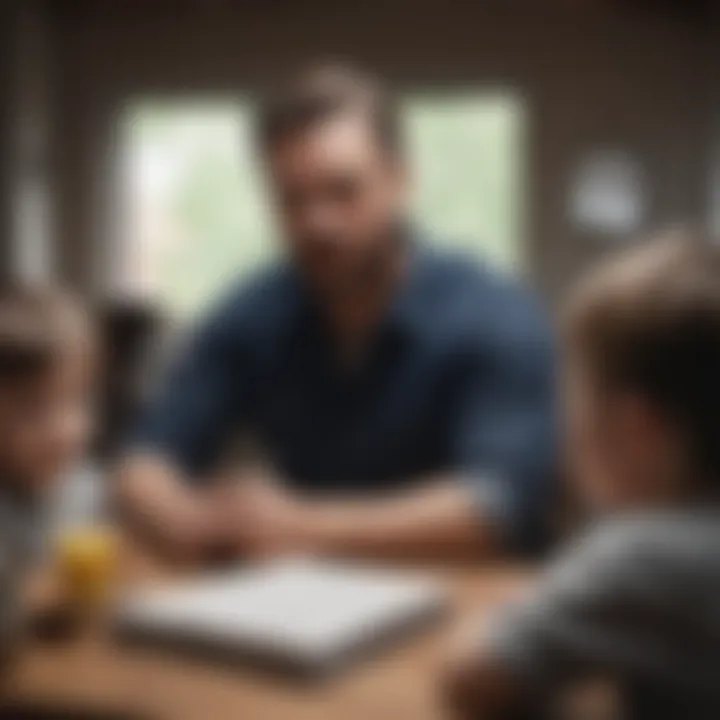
(467, 151)
(196, 215)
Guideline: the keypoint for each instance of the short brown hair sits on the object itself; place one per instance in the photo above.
(648, 320)
(323, 92)
(35, 325)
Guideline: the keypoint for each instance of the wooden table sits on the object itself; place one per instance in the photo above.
(96, 672)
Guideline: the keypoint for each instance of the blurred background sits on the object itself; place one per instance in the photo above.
(542, 132)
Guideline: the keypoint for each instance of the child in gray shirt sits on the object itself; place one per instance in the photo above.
(45, 400)
(638, 597)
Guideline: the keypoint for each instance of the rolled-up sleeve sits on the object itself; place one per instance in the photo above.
(200, 400)
(504, 427)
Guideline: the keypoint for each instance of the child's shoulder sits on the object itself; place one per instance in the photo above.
(635, 548)
(655, 531)
(21, 523)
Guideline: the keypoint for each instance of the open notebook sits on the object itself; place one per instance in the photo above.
(304, 614)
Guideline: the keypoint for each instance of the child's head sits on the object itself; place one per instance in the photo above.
(46, 359)
(642, 371)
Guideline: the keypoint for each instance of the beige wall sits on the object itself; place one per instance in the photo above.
(639, 82)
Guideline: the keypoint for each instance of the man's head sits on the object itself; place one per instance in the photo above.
(45, 382)
(332, 145)
(643, 374)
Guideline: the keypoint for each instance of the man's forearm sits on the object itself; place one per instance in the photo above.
(154, 500)
(437, 520)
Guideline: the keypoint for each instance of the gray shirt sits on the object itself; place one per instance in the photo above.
(22, 532)
(639, 596)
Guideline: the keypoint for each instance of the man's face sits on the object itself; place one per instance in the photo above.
(339, 194)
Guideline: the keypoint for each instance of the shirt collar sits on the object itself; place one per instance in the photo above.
(404, 308)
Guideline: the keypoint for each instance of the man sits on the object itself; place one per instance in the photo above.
(404, 395)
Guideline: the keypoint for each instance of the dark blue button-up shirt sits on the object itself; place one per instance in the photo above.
(458, 379)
